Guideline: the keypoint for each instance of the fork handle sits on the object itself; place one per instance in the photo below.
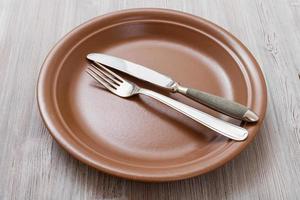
(222, 127)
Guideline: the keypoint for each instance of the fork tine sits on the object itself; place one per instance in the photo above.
(99, 79)
(110, 72)
(104, 71)
(105, 78)
(112, 78)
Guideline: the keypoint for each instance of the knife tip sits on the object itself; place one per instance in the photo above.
(90, 56)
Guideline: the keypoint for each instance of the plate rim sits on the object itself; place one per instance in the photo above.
(238, 146)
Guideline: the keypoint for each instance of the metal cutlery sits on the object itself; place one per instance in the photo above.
(217, 103)
(123, 88)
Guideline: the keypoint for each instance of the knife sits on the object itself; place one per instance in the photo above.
(225, 106)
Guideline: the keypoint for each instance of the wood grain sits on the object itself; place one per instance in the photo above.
(33, 166)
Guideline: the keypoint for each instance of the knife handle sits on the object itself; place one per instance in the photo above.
(225, 106)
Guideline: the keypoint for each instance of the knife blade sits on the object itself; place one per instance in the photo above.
(133, 69)
(225, 106)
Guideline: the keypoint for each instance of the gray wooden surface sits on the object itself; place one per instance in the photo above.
(33, 166)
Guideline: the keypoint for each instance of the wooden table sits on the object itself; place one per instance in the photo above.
(33, 166)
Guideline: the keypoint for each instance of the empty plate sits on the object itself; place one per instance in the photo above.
(140, 138)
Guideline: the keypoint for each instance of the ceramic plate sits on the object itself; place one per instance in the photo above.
(140, 138)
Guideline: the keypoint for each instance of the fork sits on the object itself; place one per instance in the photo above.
(123, 88)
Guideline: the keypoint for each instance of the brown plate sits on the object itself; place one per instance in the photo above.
(139, 138)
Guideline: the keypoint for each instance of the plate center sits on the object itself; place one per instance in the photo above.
(140, 128)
